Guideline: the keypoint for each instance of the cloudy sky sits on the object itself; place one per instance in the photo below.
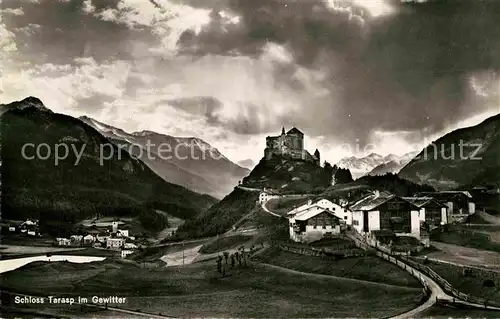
(387, 74)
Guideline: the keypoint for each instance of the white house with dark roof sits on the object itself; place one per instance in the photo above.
(114, 243)
(314, 224)
(460, 203)
(265, 195)
(341, 212)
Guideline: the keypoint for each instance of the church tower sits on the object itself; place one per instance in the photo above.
(282, 131)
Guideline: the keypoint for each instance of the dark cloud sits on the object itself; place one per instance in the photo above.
(68, 32)
(405, 71)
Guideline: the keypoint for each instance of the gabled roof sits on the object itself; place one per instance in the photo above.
(294, 130)
(299, 209)
(371, 202)
(422, 201)
(311, 214)
(307, 206)
(447, 194)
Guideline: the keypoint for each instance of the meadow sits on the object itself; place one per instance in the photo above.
(199, 290)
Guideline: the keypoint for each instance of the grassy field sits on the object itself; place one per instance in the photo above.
(368, 268)
(199, 291)
(284, 205)
(454, 236)
(469, 285)
(456, 313)
(153, 254)
(224, 243)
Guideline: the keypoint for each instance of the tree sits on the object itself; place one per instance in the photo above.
(343, 176)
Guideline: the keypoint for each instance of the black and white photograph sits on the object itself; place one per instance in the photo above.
(250, 159)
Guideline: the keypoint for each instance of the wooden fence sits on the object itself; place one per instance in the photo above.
(407, 264)
(446, 286)
(485, 273)
(473, 233)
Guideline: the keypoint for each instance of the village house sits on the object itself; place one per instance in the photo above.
(122, 233)
(88, 239)
(114, 243)
(63, 242)
(460, 203)
(129, 245)
(384, 211)
(76, 240)
(263, 197)
(102, 237)
(314, 224)
(432, 211)
(126, 252)
(341, 212)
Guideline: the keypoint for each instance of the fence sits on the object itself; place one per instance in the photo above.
(407, 264)
(445, 285)
(473, 233)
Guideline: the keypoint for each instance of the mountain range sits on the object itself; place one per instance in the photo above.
(465, 157)
(375, 164)
(186, 161)
(82, 184)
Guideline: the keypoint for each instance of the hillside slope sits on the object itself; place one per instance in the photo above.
(70, 190)
(465, 157)
(282, 174)
(220, 217)
(289, 176)
(192, 162)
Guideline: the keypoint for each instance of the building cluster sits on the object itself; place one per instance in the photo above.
(29, 228)
(380, 211)
(113, 238)
(289, 144)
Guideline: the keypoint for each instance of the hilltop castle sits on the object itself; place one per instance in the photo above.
(289, 144)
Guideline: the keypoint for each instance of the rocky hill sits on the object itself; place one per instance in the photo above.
(465, 157)
(283, 175)
(93, 179)
(288, 175)
(189, 162)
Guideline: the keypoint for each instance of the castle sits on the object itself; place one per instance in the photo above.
(289, 144)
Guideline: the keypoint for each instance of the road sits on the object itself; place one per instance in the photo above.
(249, 189)
(436, 291)
(183, 257)
(263, 205)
